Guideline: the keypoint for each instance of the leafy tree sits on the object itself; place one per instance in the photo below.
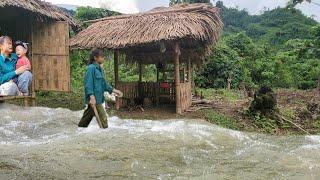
(223, 63)
(90, 13)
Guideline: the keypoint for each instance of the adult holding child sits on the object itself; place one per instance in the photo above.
(12, 79)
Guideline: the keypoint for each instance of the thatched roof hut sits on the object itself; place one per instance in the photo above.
(140, 36)
(37, 9)
(181, 35)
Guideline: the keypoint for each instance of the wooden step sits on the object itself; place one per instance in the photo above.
(5, 98)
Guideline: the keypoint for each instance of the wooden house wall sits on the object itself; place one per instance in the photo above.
(50, 56)
(48, 50)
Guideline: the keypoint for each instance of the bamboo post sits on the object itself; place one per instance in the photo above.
(140, 91)
(177, 54)
(34, 103)
(26, 101)
(140, 72)
(157, 73)
(192, 77)
(189, 82)
(116, 75)
(157, 90)
(33, 88)
(189, 70)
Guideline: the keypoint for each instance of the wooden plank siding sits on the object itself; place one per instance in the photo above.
(50, 56)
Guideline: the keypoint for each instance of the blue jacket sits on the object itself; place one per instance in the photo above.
(7, 68)
(95, 84)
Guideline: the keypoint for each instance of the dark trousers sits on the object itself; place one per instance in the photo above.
(89, 114)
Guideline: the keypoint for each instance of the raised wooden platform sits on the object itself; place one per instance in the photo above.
(25, 98)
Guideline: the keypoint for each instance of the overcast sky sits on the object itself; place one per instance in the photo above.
(133, 6)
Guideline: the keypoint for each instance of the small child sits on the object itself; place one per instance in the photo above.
(24, 80)
(21, 51)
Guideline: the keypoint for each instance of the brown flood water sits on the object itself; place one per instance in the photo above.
(44, 143)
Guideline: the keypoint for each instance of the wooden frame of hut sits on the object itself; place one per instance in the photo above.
(182, 35)
(46, 28)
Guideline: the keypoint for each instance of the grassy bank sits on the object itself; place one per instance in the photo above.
(296, 108)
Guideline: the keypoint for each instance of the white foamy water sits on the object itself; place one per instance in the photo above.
(44, 143)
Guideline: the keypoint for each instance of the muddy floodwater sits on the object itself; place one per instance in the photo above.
(43, 143)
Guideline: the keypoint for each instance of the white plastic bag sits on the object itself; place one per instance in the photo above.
(108, 96)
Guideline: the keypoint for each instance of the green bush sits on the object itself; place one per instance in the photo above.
(264, 101)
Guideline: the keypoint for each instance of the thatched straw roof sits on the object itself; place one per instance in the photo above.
(42, 10)
(196, 26)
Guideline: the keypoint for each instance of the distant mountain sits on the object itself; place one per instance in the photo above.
(68, 6)
(274, 27)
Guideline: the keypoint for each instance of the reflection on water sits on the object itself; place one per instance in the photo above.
(43, 143)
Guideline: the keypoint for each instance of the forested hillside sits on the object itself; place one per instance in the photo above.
(279, 48)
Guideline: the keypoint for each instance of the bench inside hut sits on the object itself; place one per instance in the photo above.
(172, 39)
(46, 28)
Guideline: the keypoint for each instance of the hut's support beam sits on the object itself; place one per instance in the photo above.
(189, 70)
(140, 91)
(192, 77)
(157, 87)
(116, 76)
(158, 74)
(140, 72)
(177, 77)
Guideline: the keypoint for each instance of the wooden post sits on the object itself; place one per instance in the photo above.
(33, 96)
(140, 72)
(158, 73)
(26, 102)
(33, 89)
(116, 75)
(158, 88)
(177, 54)
(140, 88)
(193, 86)
(189, 70)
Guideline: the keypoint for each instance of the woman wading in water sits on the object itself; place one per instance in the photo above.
(95, 85)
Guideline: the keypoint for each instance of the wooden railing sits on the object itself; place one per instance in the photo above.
(134, 90)
(152, 91)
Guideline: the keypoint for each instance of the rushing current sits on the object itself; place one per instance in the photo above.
(44, 143)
